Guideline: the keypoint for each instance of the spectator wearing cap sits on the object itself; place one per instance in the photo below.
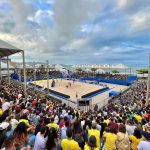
(24, 119)
(69, 143)
(145, 144)
(3, 128)
(96, 133)
(91, 145)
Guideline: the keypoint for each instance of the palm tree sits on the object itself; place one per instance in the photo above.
(142, 71)
(115, 71)
(93, 70)
(79, 70)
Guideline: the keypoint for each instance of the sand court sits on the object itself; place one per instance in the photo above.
(78, 89)
(74, 89)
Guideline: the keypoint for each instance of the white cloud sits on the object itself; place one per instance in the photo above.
(140, 21)
(17, 41)
(40, 16)
(87, 27)
(78, 44)
(98, 54)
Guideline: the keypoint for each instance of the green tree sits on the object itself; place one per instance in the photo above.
(93, 70)
(115, 71)
(142, 71)
(79, 69)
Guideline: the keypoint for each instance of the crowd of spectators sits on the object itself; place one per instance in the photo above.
(41, 74)
(137, 92)
(114, 76)
(34, 121)
(106, 75)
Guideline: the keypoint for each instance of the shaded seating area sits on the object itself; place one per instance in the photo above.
(114, 93)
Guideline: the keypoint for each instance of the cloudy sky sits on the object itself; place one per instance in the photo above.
(78, 31)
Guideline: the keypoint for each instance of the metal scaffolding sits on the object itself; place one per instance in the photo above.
(47, 74)
(148, 84)
(7, 50)
(24, 73)
(0, 70)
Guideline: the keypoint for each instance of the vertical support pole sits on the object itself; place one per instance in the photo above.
(130, 70)
(47, 75)
(8, 71)
(0, 70)
(91, 104)
(24, 74)
(34, 75)
(77, 104)
(68, 104)
(148, 84)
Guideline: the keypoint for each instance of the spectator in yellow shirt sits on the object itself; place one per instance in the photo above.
(53, 125)
(135, 139)
(96, 133)
(138, 117)
(91, 145)
(69, 143)
(110, 139)
(1, 112)
(106, 120)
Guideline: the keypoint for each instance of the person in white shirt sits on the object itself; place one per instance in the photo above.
(145, 144)
(63, 130)
(130, 127)
(40, 140)
(5, 106)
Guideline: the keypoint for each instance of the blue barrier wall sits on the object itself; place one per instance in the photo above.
(126, 82)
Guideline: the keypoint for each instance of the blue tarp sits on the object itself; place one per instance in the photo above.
(113, 93)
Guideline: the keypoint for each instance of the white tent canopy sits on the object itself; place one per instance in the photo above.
(59, 67)
(87, 70)
(100, 71)
(27, 66)
(64, 71)
(120, 66)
